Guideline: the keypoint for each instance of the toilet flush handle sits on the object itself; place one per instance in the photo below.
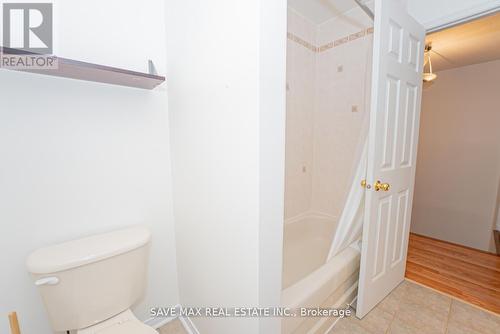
(47, 281)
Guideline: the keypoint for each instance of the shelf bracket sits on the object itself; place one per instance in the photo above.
(151, 68)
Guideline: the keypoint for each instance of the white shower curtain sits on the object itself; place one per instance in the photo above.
(350, 224)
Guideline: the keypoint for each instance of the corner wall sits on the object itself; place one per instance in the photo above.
(226, 69)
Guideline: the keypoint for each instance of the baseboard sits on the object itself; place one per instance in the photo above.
(189, 325)
(158, 322)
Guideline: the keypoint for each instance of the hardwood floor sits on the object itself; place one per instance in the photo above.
(465, 273)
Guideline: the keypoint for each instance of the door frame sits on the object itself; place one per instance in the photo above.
(461, 17)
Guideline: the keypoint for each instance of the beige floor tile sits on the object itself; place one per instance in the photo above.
(173, 327)
(391, 303)
(455, 328)
(399, 327)
(414, 309)
(347, 326)
(473, 318)
(427, 298)
(376, 322)
(425, 319)
(326, 326)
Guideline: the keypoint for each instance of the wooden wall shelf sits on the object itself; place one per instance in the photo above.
(75, 69)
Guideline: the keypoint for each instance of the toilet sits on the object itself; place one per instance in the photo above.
(88, 285)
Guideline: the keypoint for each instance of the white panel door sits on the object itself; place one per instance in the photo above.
(394, 124)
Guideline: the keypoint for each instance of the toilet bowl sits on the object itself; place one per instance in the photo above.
(89, 285)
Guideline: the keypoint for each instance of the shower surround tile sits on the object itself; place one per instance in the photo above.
(327, 46)
(341, 41)
(357, 35)
(320, 100)
(302, 42)
(301, 62)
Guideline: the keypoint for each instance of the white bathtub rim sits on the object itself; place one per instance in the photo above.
(342, 302)
(299, 293)
(290, 325)
(311, 214)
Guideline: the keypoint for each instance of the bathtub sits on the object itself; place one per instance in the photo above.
(309, 280)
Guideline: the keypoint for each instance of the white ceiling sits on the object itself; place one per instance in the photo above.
(470, 43)
(319, 11)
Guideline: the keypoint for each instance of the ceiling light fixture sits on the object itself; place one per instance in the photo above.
(428, 76)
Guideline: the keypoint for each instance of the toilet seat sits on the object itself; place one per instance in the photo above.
(123, 323)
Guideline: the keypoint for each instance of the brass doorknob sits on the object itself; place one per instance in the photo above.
(381, 186)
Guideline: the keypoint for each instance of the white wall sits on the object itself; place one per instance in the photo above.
(434, 14)
(80, 158)
(272, 114)
(225, 126)
(113, 32)
(458, 166)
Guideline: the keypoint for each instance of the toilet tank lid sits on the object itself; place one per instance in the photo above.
(87, 250)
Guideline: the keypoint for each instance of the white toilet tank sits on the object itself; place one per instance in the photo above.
(89, 280)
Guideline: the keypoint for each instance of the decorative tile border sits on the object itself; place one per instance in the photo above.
(333, 44)
(302, 42)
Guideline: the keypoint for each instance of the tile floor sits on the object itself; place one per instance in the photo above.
(173, 327)
(409, 309)
(414, 309)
